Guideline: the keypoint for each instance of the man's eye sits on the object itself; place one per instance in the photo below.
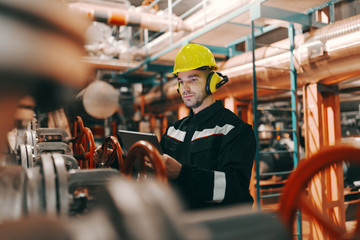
(194, 79)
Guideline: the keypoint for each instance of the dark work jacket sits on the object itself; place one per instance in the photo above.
(216, 150)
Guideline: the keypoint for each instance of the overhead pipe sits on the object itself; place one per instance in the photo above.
(327, 55)
(213, 11)
(129, 17)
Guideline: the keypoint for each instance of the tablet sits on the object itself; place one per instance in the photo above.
(128, 138)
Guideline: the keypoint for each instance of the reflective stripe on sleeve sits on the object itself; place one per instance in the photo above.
(212, 131)
(176, 134)
(219, 186)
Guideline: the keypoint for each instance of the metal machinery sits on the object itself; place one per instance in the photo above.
(54, 187)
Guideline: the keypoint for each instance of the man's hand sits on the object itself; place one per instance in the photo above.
(172, 166)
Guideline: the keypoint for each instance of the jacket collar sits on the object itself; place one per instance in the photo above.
(207, 113)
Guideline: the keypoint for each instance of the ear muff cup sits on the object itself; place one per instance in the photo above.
(212, 80)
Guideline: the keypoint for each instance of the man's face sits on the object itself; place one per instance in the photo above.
(192, 88)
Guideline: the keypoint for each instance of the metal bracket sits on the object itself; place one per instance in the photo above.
(52, 135)
(48, 172)
(59, 147)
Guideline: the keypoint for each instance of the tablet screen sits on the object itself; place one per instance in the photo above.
(128, 138)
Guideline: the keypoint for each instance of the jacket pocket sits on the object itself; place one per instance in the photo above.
(170, 145)
(205, 154)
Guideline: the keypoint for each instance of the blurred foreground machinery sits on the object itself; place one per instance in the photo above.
(54, 198)
(37, 207)
(41, 201)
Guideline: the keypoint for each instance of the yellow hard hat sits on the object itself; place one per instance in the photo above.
(193, 56)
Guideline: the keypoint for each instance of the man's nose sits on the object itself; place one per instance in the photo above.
(186, 85)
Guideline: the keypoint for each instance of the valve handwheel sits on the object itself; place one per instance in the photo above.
(107, 158)
(294, 196)
(78, 123)
(137, 156)
(84, 145)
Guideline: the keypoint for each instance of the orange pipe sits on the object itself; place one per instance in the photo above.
(117, 19)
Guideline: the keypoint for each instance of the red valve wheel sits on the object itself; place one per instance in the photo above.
(84, 144)
(78, 126)
(143, 151)
(85, 148)
(294, 196)
(107, 158)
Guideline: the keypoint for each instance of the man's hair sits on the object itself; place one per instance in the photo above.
(204, 68)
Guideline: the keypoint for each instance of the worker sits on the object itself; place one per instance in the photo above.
(208, 154)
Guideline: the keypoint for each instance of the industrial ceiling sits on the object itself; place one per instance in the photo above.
(220, 25)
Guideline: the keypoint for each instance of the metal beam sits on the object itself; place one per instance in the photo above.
(257, 33)
(262, 11)
(218, 50)
(244, 25)
(158, 68)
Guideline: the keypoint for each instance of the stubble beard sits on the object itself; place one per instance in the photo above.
(197, 100)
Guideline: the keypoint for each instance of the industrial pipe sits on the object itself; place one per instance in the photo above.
(129, 17)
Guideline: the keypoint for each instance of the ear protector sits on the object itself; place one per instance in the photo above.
(213, 82)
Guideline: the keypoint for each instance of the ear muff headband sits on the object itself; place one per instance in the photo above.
(214, 81)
